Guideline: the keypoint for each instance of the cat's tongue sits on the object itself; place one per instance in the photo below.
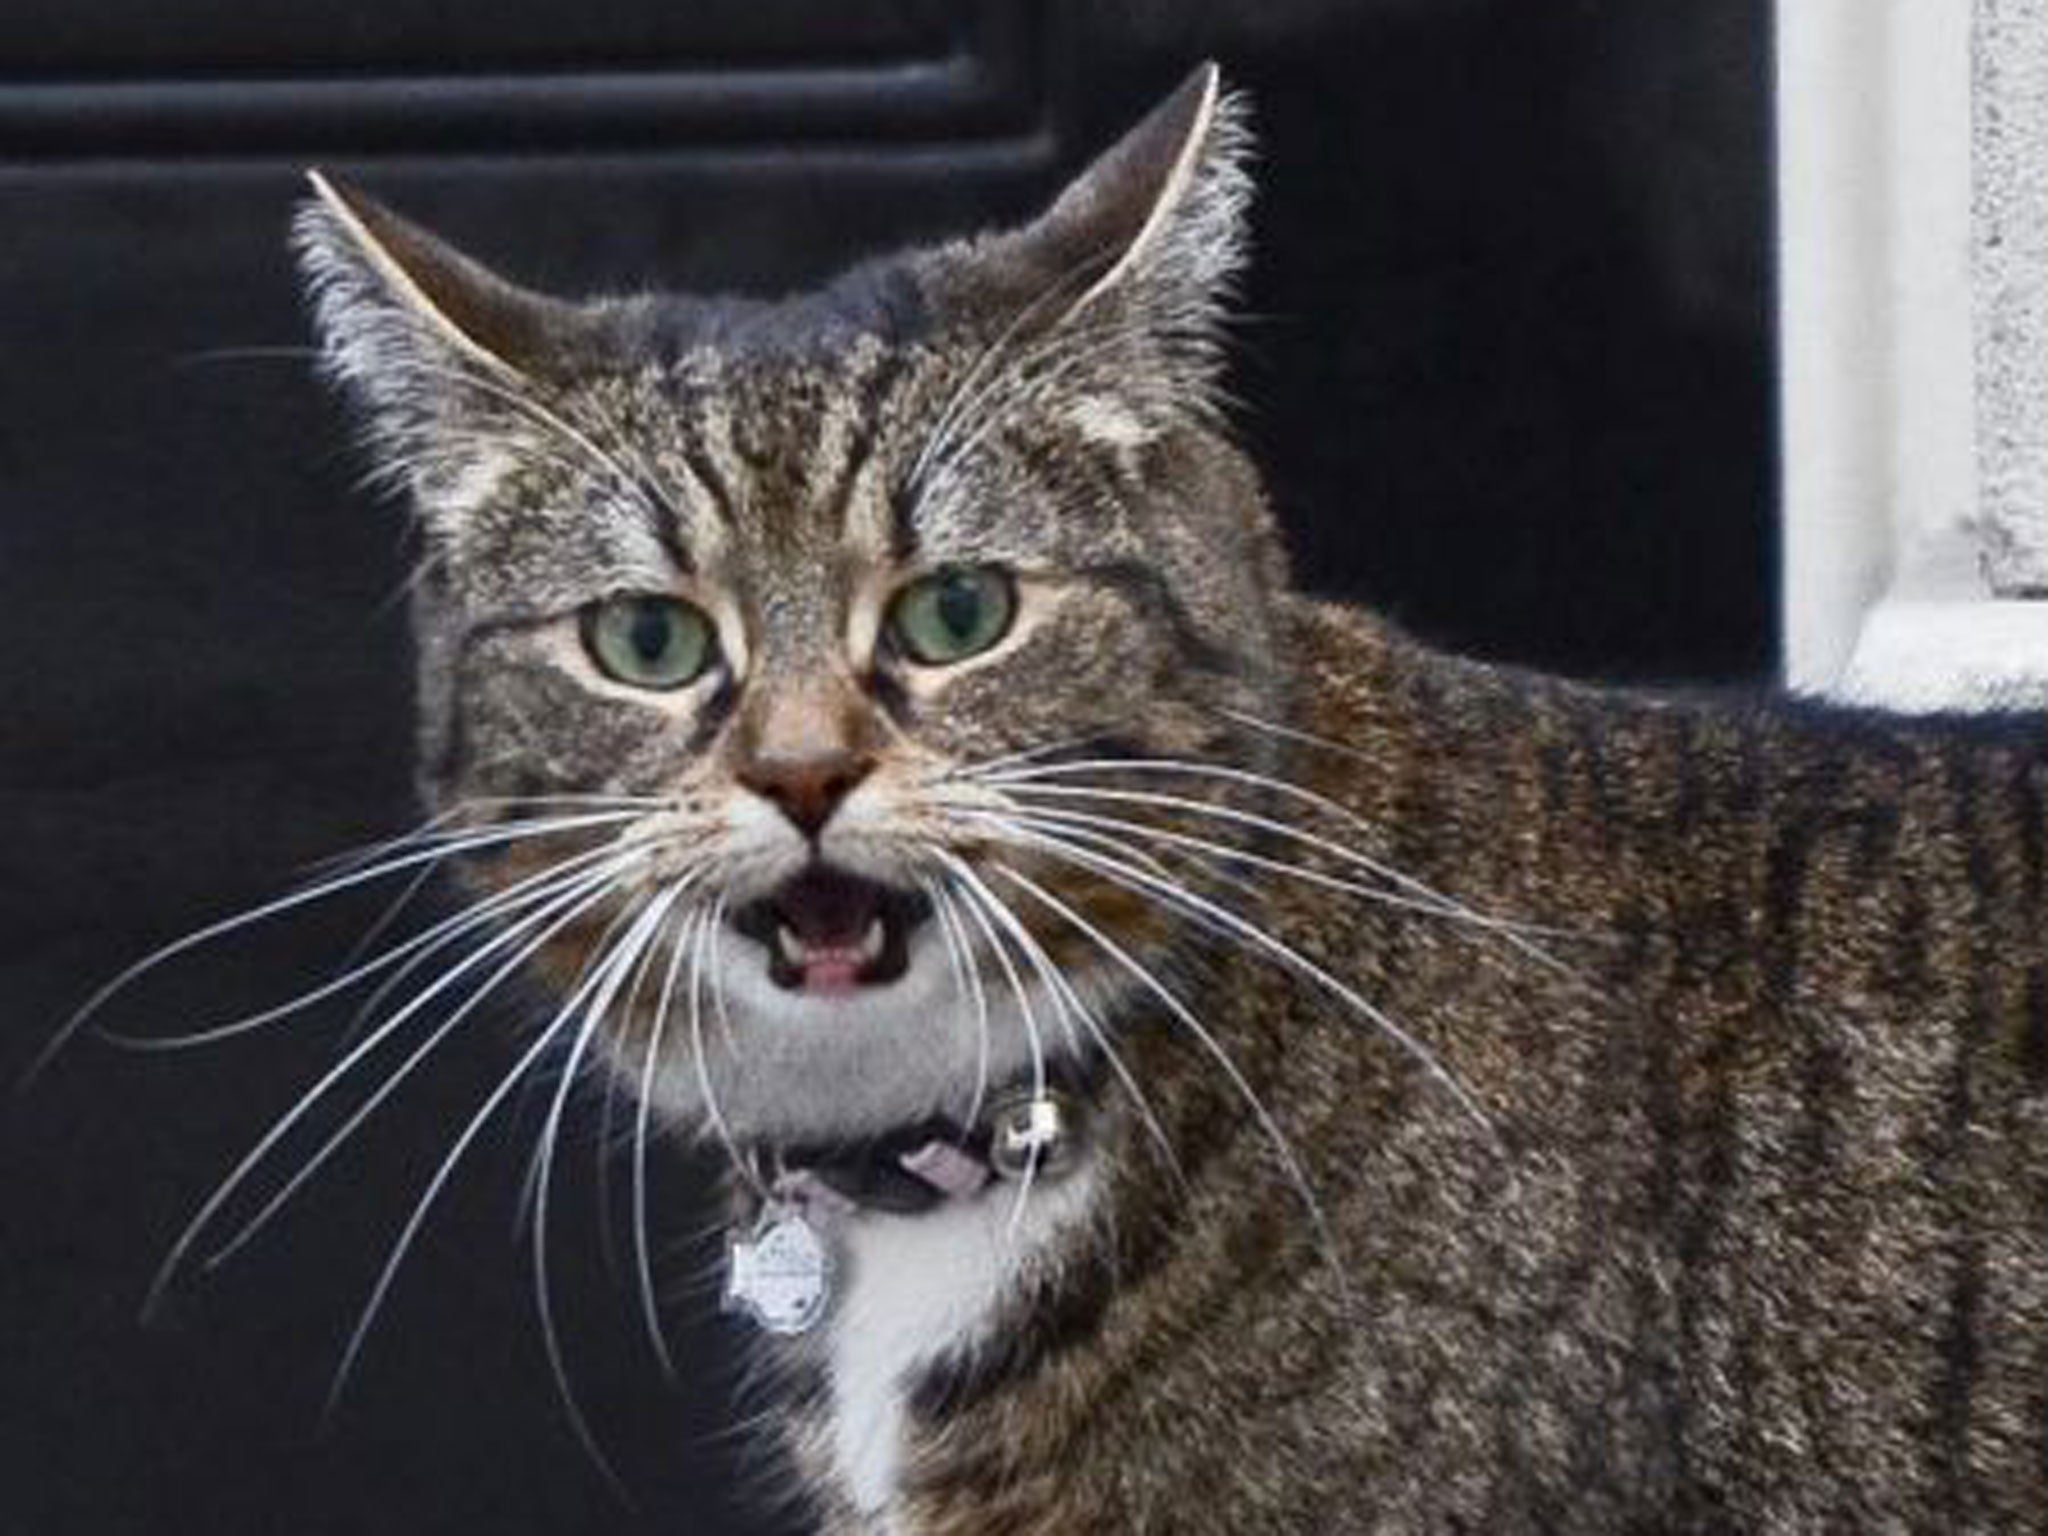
(829, 933)
(830, 929)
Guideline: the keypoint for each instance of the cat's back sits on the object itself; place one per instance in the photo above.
(1786, 1092)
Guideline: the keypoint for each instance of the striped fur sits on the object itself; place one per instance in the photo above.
(1591, 1112)
(1762, 1243)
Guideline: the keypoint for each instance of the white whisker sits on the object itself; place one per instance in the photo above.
(1033, 378)
(1071, 1006)
(1379, 895)
(712, 1113)
(1297, 1176)
(969, 394)
(615, 1093)
(994, 765)
(564, 905)
(420, 947)
(718, 1003)
(436, 832)
(1211, 915)
(966, 982)
(973, 903)
(523, 403)
(458, 1149)
(612, 971)
(1028, 779)
(386, 920)
(259, 914)
(643, 1259)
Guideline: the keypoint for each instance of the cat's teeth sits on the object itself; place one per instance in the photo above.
(793, 951)
(871, 941)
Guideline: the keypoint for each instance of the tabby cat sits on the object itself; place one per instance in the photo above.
(1193, 1059)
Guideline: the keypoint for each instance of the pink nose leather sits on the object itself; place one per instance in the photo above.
(808, 789)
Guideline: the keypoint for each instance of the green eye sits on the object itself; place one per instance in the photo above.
(649, 642)
(953, 614)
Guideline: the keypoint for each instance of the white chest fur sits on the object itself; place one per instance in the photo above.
(919, 1287)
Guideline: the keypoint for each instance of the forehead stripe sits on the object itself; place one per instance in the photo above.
(667, 519)
(873, 395)
(718, 494)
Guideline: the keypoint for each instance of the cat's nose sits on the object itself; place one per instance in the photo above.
(809, 789)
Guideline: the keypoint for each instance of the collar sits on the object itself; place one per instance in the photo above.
(1032, 1132)
(779, 1270)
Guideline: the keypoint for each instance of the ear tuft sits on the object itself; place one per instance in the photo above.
(389, 298)
(1145, 245)
(436, 348)
(1179, 183)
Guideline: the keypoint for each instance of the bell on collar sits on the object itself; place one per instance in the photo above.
(1035, 1134)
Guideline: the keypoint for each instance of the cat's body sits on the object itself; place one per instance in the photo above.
(1762, 1242)
(1501, 1105)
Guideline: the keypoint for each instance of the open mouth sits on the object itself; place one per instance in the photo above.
(830, 932)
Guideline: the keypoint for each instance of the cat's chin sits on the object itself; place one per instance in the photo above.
(765, 1062)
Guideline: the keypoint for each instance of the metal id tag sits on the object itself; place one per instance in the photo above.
(781, 1274)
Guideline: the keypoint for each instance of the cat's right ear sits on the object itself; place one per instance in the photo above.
(1138, 254)
(418, 332)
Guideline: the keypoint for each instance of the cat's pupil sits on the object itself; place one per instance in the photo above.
(959, 605)
(651, 632)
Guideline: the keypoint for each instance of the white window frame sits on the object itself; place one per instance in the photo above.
(1884, 595)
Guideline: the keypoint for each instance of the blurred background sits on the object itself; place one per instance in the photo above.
(1506, 355)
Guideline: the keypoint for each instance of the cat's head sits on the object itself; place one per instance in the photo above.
(807, 595)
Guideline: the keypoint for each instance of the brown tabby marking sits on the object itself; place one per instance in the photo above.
(1524, 1107)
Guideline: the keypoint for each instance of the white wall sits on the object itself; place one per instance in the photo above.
(1887, 592)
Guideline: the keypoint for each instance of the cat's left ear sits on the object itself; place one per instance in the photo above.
(1145, 242)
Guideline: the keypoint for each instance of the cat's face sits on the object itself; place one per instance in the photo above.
(797, 590)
